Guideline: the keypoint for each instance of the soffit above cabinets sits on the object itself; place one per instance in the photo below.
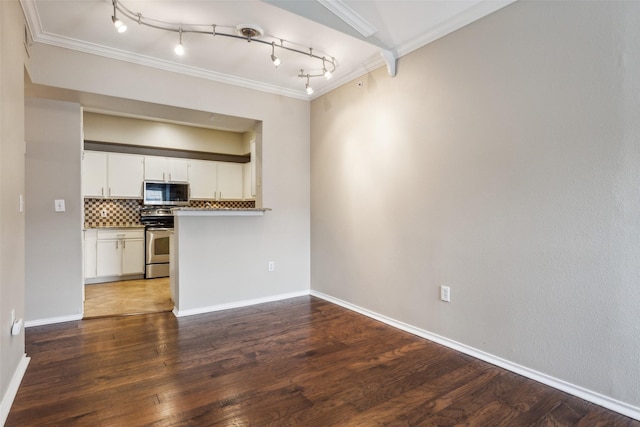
(354, 32)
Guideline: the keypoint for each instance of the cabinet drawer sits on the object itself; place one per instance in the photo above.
(120, 233)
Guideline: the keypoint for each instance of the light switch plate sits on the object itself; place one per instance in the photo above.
(59, 205)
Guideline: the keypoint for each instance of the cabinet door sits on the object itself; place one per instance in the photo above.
(94, 174)
(125, 175)
(229, 181)
(178, 170)
(155, 168)
(246, 182)
(202, 179)
(109, 257)
(132, 256)
(90, 256)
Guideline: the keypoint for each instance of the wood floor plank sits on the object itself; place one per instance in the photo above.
(298, 362)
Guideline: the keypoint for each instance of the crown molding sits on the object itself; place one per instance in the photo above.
(349, 16)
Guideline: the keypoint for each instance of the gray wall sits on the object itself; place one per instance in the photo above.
(12, 263)
(53, 239)
(502, 161)
(222, 261)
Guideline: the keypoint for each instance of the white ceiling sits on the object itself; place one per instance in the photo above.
(396, 26)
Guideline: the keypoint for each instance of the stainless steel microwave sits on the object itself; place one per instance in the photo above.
(166, 193)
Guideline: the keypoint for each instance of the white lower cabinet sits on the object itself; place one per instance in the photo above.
(114, 252)
(90, 239)
(109, 257)
(133, 256)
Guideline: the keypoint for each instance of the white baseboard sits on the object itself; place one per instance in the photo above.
(10, 395)
(583, 393)
(238, 304)
(52, 320)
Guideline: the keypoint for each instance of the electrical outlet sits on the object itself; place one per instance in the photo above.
(272, 266)
(103, 214)
(445, 293)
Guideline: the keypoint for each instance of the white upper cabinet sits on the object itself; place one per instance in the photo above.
(125, 175)
(112, 175)
(247, 192)
(155, 168)
(118, 175)
(166, 169)
(229, 181)
(94, 174)
(210, 180)
(203, 179)
(179, 170)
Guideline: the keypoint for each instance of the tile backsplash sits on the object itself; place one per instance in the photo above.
(126, 212)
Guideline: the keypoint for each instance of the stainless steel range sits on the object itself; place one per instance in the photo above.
(158, 222)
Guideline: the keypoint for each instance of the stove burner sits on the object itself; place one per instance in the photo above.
(156, 217)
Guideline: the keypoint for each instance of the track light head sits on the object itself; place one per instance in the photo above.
(116, 22)
(276, 61)
(327, 74)
(309, 88)
(179, 49)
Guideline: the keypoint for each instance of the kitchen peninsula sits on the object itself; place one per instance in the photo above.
(219, 259)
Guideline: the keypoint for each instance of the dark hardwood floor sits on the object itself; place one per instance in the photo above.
(299, 362)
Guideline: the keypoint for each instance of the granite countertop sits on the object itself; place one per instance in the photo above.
(112, 226)
(219, 211)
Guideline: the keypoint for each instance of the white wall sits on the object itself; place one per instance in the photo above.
(53, 239)
(502, 161)
(284, 135)
(12, 222)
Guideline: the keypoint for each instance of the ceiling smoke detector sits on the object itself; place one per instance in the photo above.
(250, 31)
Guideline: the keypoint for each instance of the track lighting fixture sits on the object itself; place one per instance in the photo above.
(326, 73)
(309, 88)
(179, 49)
(116, 22)
(276, 61)
(244, 32)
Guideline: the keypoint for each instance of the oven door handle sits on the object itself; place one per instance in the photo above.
(159, 229)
